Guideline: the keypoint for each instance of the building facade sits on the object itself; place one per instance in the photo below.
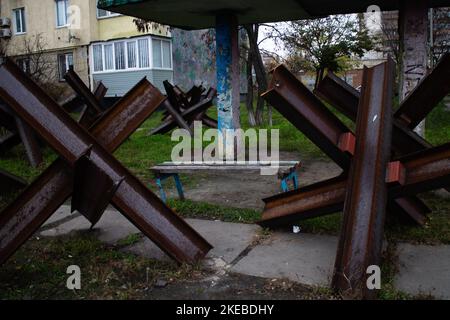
(100, 45)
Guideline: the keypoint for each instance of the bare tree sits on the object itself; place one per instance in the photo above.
(255, 62)
(324, 42)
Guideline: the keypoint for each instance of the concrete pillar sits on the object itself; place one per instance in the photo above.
(413, 32)
(227, 61)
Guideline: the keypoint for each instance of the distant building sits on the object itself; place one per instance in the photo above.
(101, 45)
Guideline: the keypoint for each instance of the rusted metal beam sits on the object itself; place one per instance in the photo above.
(345, 98)
(30, 142)
(404, 140)
(10, 182)
(189, 114)
(426, 95)
(176, 116)
(89, 116)
(93, 105)
(54, 186)
(361, 238)
(308, 114)
(172, 234)
(339, 94)
(424, 171)
(323, 198)
(305, 111)
(27, 136)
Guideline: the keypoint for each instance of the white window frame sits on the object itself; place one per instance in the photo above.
(138, 62)
(22, 22)
(67, 3)
(109, 14)
(162, 55)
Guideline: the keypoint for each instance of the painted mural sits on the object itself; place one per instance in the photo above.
(194, 59)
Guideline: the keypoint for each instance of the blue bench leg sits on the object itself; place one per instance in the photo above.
(285, 182)
(179, 186)
(161, 190)
(295, 180)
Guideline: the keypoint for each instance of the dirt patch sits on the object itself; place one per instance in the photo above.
(238, 287)
(243, 190)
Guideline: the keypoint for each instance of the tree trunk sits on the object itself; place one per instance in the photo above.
(258, 64)
(249, 102)
(319, 76)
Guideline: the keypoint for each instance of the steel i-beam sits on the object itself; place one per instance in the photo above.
(188, 115)
(171, 233)
(27, 136)
(307, 113)
(361, 238)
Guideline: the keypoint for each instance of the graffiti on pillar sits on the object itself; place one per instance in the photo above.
(412, 76)
(194, 57)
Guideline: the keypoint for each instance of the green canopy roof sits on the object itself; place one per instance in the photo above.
(199, 14)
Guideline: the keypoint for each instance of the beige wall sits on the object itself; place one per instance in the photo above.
(41, 19)
(41, 22)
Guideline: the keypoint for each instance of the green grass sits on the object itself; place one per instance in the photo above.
(202, 210)
(437, 128)
(38, 271)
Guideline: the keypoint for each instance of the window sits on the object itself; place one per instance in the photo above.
(144, 53)
(61, 12)
(65, 61)
(20, 26)
(162, 54)
(24, 64)
(119, 51)
(131, 54)
(105, 14)
(109, 57)
(98, 57)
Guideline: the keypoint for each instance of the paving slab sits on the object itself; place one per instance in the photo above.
(228, 239)
(303, 258)
(424, 270)
(64, 212)
(111, 228)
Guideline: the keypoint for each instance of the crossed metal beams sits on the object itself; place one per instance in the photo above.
(372, 182)
(84, 153)
(182, 109)
(308, 114)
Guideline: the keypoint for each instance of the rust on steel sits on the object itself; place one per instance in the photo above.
(52, 188)
(307, 113)
(322, 127)
(171, 233)
(83, 91)
(319, 199)
(27, 136)
(361, 238)
(188, 115)
(345, 98)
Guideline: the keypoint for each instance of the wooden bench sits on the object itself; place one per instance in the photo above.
(286, 171)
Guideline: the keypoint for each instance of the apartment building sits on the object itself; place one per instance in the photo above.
(100, 45)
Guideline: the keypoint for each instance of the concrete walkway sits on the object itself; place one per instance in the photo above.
(245, 249)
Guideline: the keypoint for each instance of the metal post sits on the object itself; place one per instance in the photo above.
(413, 32)
(227, 63)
